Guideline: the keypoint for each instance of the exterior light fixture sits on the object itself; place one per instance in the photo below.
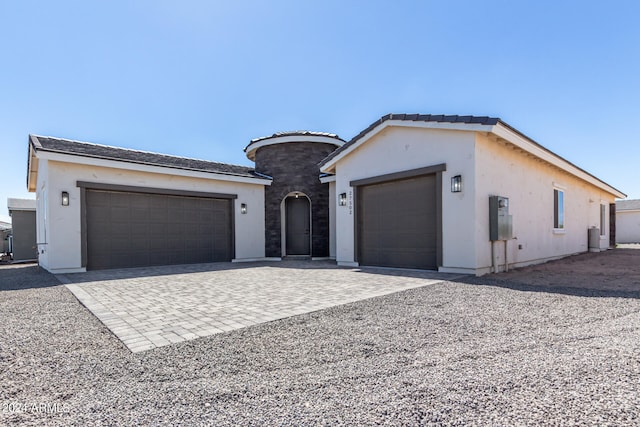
(243, 208)
(342, 201)
(65, 198)
(297, 195)
(456, 184)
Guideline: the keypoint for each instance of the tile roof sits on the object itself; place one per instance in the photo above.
(87, 149)
(296, 133)
(628, 205)
(483, 120)
(290, 137)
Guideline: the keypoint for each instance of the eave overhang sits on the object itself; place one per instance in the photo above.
(499, 130)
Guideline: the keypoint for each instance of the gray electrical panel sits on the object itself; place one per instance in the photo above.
(500, 222)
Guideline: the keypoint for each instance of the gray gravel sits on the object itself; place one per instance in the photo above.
(450, 354)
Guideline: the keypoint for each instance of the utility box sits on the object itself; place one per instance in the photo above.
(594, 239)
(500, 222)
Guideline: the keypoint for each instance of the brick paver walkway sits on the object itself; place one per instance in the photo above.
(151, 307)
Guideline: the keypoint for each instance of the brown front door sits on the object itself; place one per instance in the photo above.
(298, 226)
(612, 225)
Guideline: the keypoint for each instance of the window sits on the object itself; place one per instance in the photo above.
(603, 222)
(558, 209)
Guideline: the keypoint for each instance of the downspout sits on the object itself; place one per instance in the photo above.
(506, 263)
(493, 257)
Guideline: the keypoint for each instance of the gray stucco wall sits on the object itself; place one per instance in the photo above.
(294, 167)
(24, 235)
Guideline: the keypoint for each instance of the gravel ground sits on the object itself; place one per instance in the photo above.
(485, 352)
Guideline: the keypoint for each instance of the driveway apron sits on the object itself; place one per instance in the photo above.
(152, 307)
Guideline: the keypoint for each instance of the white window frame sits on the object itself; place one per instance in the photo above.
(559, 219)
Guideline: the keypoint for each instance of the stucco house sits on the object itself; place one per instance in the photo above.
(449, 193)
(628, 221)
(23, 235)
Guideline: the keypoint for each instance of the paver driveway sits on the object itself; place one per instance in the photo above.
(152, 307)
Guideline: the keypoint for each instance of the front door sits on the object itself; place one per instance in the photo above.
(298, 226)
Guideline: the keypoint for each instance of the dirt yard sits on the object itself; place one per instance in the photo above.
(611, 273)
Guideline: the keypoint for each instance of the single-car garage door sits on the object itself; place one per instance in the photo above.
(128, 229)
(397, 223)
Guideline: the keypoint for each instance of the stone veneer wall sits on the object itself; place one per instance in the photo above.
(294, 167)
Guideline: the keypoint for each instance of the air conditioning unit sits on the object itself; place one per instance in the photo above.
(594, 239)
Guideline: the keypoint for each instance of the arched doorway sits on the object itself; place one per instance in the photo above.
(297, 230)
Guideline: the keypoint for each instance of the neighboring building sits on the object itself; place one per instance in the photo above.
(23, 235)
(5, 237)
(628, 221)
(410, 191)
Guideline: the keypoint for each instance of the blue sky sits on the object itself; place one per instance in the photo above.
(202, 78)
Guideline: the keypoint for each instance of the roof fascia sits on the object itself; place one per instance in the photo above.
(32, 167)
(329, 167)
(34, 141)
(519, 140)
(21, 209)
(329, 178)
(471, 127)
(140, 167)
(251, 149)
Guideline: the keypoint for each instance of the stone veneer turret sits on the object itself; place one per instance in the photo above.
(291, 159)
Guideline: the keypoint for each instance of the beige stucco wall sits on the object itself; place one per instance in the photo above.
(396, 149)
(488, 168)
(332, 219)
(529, 185)
(42, 213)
(627, 226)
(60, 250)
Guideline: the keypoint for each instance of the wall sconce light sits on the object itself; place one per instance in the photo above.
(65, 198)
(243, 208)
(456, 184)
(342, 201)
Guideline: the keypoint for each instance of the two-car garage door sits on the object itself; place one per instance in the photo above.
(397, 223)
(130, 229)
